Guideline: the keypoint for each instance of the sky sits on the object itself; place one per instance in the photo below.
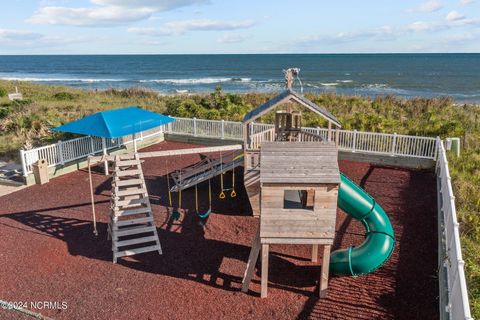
(246, 26)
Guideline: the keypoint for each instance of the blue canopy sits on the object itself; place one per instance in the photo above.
(116, 123)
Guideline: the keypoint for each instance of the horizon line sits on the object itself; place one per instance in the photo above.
(226, 54)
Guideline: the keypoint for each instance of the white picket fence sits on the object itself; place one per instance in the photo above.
(353, 141)
(457, 306)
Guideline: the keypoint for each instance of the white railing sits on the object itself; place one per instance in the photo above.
(70, 150)
(457, 305)
(354, 141)
(256, 139)
(207, 128)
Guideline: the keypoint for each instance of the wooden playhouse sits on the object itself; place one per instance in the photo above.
(292, 180)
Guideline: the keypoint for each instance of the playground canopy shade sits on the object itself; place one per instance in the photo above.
(116, 123)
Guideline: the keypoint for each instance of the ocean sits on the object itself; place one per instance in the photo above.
(405, 75)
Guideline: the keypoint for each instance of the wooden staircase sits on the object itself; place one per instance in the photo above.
(131, 225)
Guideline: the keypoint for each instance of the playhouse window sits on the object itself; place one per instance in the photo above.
(298, 199)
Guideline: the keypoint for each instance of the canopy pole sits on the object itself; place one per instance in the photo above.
(135, 143)
(104, 146)
(95, 232)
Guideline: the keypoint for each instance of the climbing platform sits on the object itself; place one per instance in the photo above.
(131, 224)
(201, 171)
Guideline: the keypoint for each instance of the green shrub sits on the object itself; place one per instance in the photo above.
(3, 92)
(19, 104)
(4, 112)
(62, 96)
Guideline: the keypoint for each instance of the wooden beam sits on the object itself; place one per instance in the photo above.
(95, 232)
(177, 152)
(329, 131)
(252, 261)
(337, 136)
(273, 104)
(299, 101)
(315, 253)
(324, 273)
(265, 248)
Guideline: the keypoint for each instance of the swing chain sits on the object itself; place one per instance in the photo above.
(233, 194)
(222, 193)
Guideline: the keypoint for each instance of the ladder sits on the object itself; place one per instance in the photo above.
(131, 226)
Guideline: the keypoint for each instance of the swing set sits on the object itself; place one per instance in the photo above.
(92, 160)
(199, 172)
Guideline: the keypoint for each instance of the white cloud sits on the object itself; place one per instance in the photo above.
(183, 26)
(150, 32)
(106, 12)
(207, 25)
(429, 6)
(387, 33)
(231, 38)
(156, 5)
(454, 16)
(18, 35)
(466, 2)
(421, 26)
(383, 33)
(103, 16)
(25, 41)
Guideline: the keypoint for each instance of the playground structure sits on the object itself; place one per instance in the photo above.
(294, 165)
(293, 184)
(298, 203)
(130, 196)
(204, 170)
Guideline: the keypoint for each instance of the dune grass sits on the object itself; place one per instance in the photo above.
(27, 122)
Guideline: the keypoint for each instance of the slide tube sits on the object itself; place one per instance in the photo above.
(379, 237)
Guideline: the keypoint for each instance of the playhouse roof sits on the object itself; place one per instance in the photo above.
(286, 96)
(299, 162)
(116, 123)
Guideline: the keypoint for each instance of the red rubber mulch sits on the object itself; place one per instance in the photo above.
(48, 253)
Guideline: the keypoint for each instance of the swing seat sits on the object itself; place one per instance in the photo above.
(205, 215)
(175, 215)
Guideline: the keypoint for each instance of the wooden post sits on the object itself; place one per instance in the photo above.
(329, 131)
(264, 281)
(289, 78)
(24, 164)
(223, 129)
(95, 232)
(315, 253)
(104, 147)
(60, 152)
(324, 273)
(337, 136)
(245, 136)
(92, 147)
(354, 143)
(394, 144)
(135, 143)
(252, 261)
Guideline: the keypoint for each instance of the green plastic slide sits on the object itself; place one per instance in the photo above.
(379, 236)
